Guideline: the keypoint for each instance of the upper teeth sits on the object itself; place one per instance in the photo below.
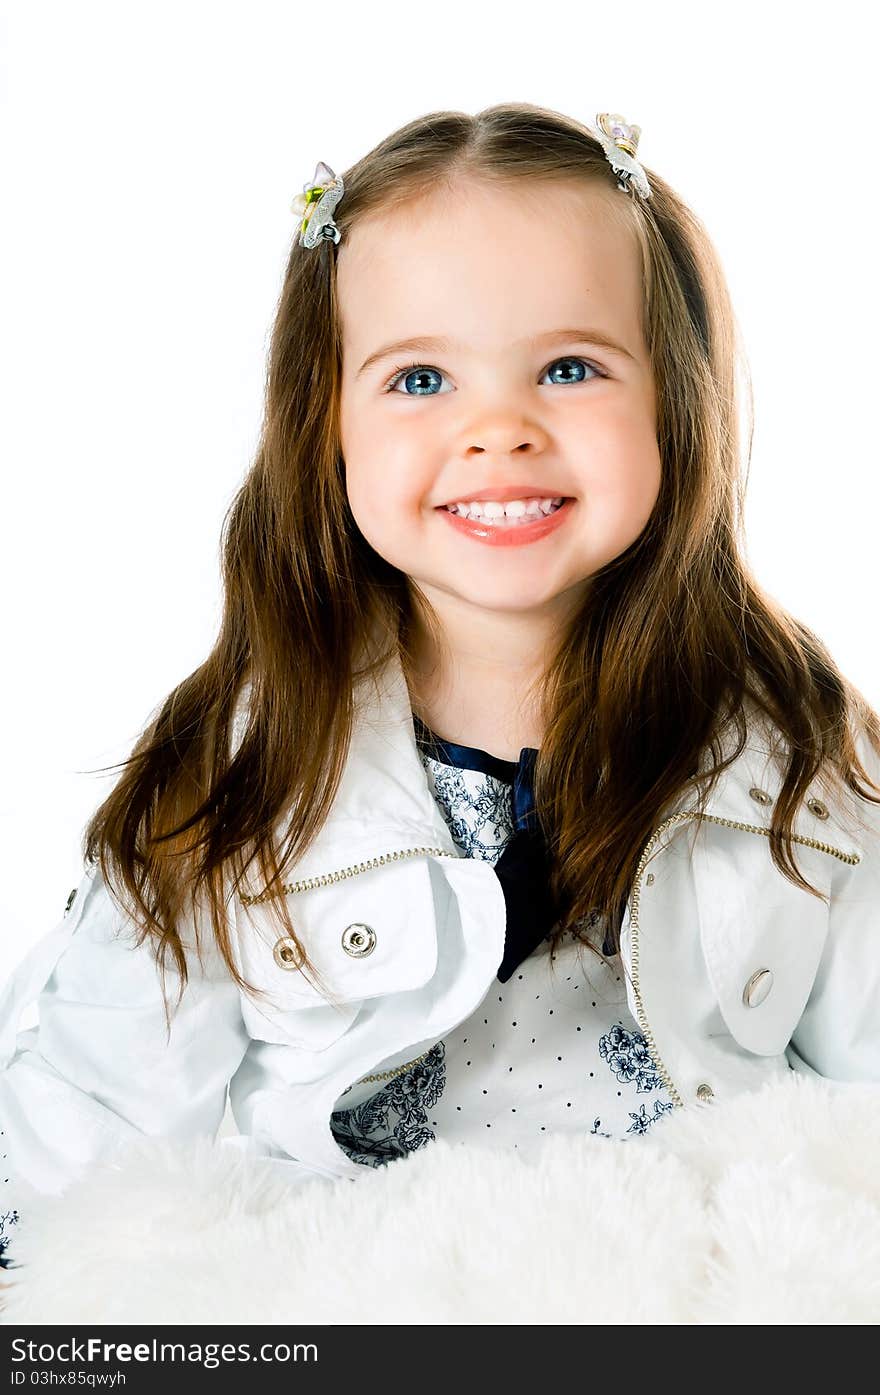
(513, 508)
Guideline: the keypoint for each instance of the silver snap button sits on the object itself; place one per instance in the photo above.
(757, 988)
(705, 1092)
(70, 900)
(761, 796)
(649, 880)
(286, 953)
(358, 940)
(816, 807)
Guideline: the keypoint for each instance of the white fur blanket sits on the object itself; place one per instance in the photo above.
(763, 1210)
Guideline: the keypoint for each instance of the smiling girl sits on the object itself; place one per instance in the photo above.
(506, 801)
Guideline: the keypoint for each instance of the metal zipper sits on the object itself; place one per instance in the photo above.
(326, 879)
(389, 1074)
(851, 858)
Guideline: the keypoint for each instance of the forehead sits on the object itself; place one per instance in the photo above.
(489, 264)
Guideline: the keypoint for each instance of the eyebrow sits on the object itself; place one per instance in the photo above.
(441, 345)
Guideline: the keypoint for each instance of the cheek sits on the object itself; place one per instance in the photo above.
(386, 490)
(642, 474)
(623, 476)
(386, 472)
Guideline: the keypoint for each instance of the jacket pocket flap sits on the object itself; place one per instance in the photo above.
(366, 935)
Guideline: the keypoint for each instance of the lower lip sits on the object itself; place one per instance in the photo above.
(510, 536)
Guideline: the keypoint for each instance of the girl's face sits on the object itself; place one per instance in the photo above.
(524, 399)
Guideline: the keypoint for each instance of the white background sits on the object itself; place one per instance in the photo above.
(150, 153)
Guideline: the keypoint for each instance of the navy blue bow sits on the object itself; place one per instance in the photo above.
(523, 869)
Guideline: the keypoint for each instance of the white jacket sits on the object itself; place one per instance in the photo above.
(734, 974)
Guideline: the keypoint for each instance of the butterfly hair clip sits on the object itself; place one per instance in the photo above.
(316, 204)
(620, 141)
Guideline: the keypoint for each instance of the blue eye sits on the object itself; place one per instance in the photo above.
(411, 370)
(581, 363)
(419, 370)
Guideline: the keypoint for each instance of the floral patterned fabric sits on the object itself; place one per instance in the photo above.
(553, 1044)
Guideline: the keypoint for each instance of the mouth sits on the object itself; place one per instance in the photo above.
(518, 513)
(515, 531)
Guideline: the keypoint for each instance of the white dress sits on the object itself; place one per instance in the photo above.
(554, 1047)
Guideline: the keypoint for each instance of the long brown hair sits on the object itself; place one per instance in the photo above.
(674, 642)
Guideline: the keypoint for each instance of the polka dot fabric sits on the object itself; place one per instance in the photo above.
(553, 1047)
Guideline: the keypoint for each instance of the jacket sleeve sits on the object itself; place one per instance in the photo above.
(838, 1035)
(101, 1068)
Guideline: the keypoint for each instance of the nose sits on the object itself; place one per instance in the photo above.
(510, 436)
(501, 450)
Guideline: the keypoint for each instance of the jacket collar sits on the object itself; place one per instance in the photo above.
(384, 802)
(745, 793)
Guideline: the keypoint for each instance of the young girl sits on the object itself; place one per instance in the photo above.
(506, 801)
